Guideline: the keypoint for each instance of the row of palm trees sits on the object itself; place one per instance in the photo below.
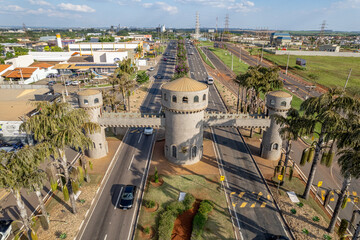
(337, 118)
(55, 127)
(333, 116)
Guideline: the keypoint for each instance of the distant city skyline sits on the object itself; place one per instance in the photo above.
(340, 15)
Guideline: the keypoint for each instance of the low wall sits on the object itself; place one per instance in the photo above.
(22, 86)
(314, 53)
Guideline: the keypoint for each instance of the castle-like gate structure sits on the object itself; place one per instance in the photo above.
(184, 118)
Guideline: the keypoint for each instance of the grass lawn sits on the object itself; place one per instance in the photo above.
(327, 71)
(219, 224)
(204, 58)
(224, 55)
(206, 43)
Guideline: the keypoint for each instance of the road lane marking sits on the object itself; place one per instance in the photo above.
(117, 201)
(241, 194)
(243, 205)
(131, 161)
(105, 237)
(263, 205)
(268, 197)
(253, 205)
(259, 195)
(140, 137)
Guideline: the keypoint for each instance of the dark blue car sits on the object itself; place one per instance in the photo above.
(127, 197)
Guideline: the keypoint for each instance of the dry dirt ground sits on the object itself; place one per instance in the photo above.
(61, 219)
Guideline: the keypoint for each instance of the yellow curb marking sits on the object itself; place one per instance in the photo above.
(253, 205)
(243, 204)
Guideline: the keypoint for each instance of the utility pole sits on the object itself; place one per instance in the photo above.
(232, 61)
(262, 51)
(347, 80)
(287, 64)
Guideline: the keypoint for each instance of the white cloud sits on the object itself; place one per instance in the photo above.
(162, 6)
(347, 4)
(76, 8)
(53, 13)
(39, 2)
(237, 6)
(13, 8)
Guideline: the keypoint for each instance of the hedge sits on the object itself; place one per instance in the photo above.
(172, 211)
(200, 219)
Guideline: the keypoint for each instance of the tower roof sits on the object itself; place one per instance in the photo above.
(88, 92)
(185, 84)
(280, 94)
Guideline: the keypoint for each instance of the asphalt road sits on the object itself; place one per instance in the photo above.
(251, 206)
(106, 220)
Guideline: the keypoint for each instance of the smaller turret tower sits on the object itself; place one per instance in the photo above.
(277, 102)
(91, 101)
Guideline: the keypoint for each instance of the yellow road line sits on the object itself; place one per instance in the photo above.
(4, 195)
(263, 204)
(241, 194)
(268, 197)
(234, 204)
(243, 204)
(232, 193)
(253, 205)
(259, 195)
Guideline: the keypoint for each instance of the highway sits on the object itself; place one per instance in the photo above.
(331, 177)
(250, 203)
(106, 220)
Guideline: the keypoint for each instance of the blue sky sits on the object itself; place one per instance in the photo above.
(273, 14)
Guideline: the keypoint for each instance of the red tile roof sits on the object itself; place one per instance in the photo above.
(4, 66)
(41, 65)
(20, 72)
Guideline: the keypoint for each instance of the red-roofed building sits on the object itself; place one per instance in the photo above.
(27, 75)
(5, 68)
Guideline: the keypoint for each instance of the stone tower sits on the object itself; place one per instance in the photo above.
(277, 102)
(183, 102)
(91, 101)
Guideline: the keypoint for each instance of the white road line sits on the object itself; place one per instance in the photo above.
(140, 137)
(105, 237)
(131, 161)
(117, 201)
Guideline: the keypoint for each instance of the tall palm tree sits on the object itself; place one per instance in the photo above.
(349, 162)
(325, 111)
(349, 141)
(61, 126)
(291, 128)
(14, 168)
(109, 98)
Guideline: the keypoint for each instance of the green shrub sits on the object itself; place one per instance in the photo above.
(305, 231)
(300, 204)
(63, 236)
(166, 225)
(156, 176)
(327, 237)
(342, 228)
(147, 230)
(66, 194)
(149, 204)
(205, 207)
(188, 201)
(316, 219)
(200, 219)
(175, 207)
(293, 211)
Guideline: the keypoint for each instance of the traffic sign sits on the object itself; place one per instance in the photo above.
(320, 183)
(222, 178)
(280, 177)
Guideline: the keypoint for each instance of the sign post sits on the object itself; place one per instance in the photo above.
(280, 177)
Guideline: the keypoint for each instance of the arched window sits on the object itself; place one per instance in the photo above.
(174, 98)
(96, 100)
(94, 144)
(174, 151)
(100, 145)
(204, 97)
(185, 100)
(86, 101)
(275, 146)
(196, 99)
(272, 102)
(165, 97)
(193, 151)
(283, 104)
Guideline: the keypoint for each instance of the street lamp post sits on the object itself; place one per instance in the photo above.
(287, 64)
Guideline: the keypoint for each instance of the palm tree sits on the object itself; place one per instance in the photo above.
(349, 161)
(60, 126)
(139, 50)
(291, 127)
(14, 169)
(109, 98)
(324, 111)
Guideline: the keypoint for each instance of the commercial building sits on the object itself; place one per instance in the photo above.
(27, 75)
(20, 61)
(329, 48)
(280, 39)
(88, 48)
(4, 68)
(98, 69)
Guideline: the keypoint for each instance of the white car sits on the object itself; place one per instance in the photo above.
(5, 229)
(148, 131)
(151, 69)
(75, 83)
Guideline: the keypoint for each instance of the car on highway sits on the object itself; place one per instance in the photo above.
(165, 59)
(5, 229)
(51, 83)
(158, 76)
(210, 80)
(151, 69)
(67, 83)
(148, 131)
(127, 197)
(75, 83)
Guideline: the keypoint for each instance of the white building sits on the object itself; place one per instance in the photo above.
(3, 69)
(88, 48)
(27, 75)
(109, 57)
(20, 61)
(329, 48)
(50, 56)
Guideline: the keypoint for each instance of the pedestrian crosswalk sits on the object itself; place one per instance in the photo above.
(250, 200)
